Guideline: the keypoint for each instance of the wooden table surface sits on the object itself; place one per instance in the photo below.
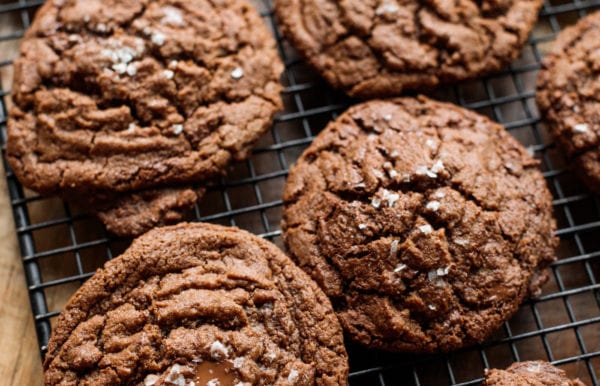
(20, 362)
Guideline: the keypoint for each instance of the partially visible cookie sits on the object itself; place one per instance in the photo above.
(568, 94)
(120, 96)
(426, 224)
(533, 373)
(198, 304)
(132, 214)
(374, 48)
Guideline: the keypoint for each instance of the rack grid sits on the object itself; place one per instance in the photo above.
(61, 246)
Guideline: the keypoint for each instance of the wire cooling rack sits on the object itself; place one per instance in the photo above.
(61, 246)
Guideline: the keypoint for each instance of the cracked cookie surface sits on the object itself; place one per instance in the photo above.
(426, 224)
(531, 373)
(195, 304)
(117, 96)
(376, 48)
(568, 94)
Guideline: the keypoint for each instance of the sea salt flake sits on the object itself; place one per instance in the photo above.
(433, 205)
(461, 242)
(530, 150)
(131, 70)
(376, 203)
(393, 173)
(293, 376)
(218, 350)
(271, 356)
(400, 268)
(168, 74)
(101, 27)
(238, 363)
(394, 247)
(120, 68)
(158, 38)
(237, 73)
(377, 173)
(174, 375)
(387, 8)
(431, 144)
(437, 167)
(391, 198)
(387, 117)
(131, 127)
(426, 229)
(172, 16)
(213, 382)
(439, 195)
(151, 379)
(442, 271)
(581, 128)
(432, 275)
(362, 226)
(173, 63)
(432, 307)
(177, 129)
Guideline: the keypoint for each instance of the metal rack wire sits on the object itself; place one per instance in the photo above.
(62, 246)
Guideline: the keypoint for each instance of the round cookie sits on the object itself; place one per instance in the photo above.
(128, 95)
(376, 48)
(195, 304)
(568, 94)
(426, 224)
(532, 373)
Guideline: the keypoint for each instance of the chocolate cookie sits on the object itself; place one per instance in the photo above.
(121, 96)
(198, 304)
(135, 213)
(426, 224)
(534, 373)
(569, 96)
(372, 48)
